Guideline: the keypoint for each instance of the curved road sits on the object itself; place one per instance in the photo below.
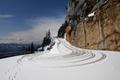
(62, 62)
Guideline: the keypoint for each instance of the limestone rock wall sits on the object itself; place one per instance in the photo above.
(101, 31)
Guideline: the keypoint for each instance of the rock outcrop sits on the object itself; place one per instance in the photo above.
(93, 24)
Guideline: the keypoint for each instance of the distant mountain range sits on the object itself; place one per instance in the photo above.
(14, 49)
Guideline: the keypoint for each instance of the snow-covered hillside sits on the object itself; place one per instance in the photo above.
(62, 62)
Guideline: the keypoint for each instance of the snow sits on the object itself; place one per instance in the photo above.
(62, 62)
(91, 14)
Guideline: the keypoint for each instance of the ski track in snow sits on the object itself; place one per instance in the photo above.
(76, 56)
(65, 56)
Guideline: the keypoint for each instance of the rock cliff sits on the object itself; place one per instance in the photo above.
(93, 24)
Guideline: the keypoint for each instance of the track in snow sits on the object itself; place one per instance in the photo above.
(64, 55)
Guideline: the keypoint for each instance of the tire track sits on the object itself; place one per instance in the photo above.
(75, 58)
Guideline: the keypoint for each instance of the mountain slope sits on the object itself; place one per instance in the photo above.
(62, 62)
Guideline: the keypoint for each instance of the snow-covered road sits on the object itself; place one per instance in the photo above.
(62, 62)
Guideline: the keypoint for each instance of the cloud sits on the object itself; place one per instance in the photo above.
(6, 16)
(39, 28)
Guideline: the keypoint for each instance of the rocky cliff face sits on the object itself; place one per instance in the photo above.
(93, 24)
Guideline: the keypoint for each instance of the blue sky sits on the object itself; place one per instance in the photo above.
(15, 15)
